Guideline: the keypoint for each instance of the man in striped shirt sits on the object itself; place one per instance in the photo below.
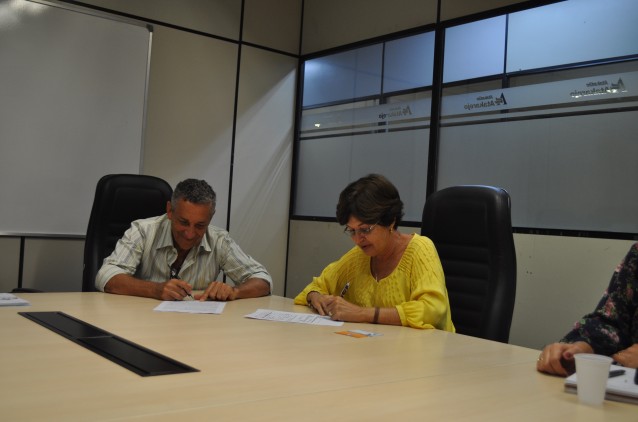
(169, 256)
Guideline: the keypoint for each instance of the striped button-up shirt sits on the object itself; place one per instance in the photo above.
(146, 251)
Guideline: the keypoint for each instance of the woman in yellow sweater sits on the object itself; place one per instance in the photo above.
(388, 277)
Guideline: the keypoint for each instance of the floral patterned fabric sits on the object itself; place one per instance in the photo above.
(613, 325)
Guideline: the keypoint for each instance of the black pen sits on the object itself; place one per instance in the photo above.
(345, 289)
(636, 376)
(616, 373)
(188, 295)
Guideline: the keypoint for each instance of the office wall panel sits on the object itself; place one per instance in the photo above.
(273, 23)
(313, 245)
(9, 263)
(559, 279)
(263, 158)
(190, 111)
(216, 17)
(53, 265)
(332, 23)
(451, 9)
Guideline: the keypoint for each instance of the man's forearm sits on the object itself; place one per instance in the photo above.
(125, 284)
(253, 287)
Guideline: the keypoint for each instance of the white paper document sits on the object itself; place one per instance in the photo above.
(621, 388)
(8, 299)
(191, 307)
(300, 318)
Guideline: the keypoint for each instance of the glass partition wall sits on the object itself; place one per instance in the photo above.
(366, 110)
(550, 115)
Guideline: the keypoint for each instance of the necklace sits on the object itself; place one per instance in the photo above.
(392, 260)
(375, 268)
(375, 273)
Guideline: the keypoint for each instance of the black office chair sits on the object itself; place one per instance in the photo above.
(471, 227)
(119, 200)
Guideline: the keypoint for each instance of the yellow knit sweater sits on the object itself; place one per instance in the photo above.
(416, 287)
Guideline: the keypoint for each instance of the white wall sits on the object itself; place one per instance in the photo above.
(263, 158)
(559, 279)
(332, 23)
(219, 17)
(190, 114)
(273, 23)
(451, 9)
(191, 123)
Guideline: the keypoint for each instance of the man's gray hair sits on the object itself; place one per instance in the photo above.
(194, 191)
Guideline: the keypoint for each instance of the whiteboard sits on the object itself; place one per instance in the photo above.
(72, 109)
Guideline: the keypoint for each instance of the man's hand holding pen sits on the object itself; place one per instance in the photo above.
(174, 289)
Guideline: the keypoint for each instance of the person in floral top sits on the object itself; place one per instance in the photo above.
(611, 329)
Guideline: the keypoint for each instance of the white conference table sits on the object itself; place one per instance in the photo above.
(263, 370)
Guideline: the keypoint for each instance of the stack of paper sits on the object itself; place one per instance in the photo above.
(8, 299)
(621, 388)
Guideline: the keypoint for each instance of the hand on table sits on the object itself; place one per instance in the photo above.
(627, 357)
(558, 358)
(318, 302)
(217, 290)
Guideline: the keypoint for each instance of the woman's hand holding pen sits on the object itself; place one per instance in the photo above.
(322, 304)
(336, 307)
(315, 302)
(321, 301)
(340, 309)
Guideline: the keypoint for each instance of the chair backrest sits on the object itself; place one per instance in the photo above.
(119, 200)
(471, 227)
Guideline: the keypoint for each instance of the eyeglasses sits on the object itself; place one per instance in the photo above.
(362, 232)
